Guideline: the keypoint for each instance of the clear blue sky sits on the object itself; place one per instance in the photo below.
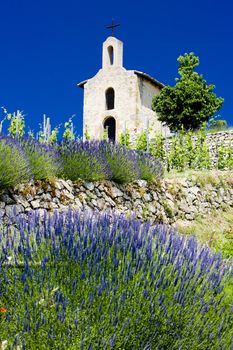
(48, 46)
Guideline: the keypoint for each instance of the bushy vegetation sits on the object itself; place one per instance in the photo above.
(191, 102)
(101, 283)
(44, 160)
(23, 159)
(149, 166)
(83, 160)
(14, 166)
(187, 150)
(122, 161)
(218, 125)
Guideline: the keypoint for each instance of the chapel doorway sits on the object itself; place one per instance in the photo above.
(110, 126)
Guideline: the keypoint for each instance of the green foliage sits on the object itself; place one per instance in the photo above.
(105, 135)
(69, 130)
(177, 156)
(14, 167)
(53, 136)
(87, 135)
(125, 139)
(225, 157)
(188, 150)
(157, 148)
(202, 158)
(17, 124)
(47, 137)
(191, 102)
(218, 125)
(141, 142)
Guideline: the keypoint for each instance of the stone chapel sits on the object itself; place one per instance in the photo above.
(117, 99)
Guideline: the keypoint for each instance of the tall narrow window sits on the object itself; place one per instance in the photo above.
(110, 98)
(110, 55)
(110, 126)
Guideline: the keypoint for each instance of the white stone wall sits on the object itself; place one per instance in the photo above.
(124, 84)
(145, 115)
(133, 97)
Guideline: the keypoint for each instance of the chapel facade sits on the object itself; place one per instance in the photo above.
(117, 99)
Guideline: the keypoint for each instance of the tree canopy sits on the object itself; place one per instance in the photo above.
(191, 102)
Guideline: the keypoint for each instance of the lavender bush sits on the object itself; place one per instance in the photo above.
(83, 160)
(44, 160)
(74, 160)
(151, 169)
(122, 161)
(109, 283)
(14, 167)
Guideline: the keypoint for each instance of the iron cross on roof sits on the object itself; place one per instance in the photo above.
(112, 26)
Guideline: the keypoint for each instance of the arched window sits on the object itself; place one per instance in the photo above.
(110, 55)
(110, 98)
(110, 126)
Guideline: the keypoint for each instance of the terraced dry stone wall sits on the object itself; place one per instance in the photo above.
(167, 202)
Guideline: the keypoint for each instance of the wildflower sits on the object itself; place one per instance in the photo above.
(3, 310)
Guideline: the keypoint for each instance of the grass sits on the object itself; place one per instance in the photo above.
(215, 230)
(203, 177)
(215, 131)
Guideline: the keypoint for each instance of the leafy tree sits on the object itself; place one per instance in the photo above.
(191, 102)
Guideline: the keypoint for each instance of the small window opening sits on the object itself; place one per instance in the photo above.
(110, 98)
(110, 55)
(110, 126)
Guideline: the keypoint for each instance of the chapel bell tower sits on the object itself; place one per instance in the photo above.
(112, 55)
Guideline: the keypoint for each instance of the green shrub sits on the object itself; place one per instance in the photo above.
(150, 168)
(14, 166)
(125, 139)
(83, 160)
(218, 125)
(177, 155)
(225, 157)
(157, 148)
(44, 160)
(141, 142)
(122, 162)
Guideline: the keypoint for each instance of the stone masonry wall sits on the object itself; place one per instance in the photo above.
(167, 202)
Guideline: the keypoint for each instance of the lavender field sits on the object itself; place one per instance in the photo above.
(85, 281)
(24, 159)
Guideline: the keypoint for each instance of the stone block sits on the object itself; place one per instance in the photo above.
(35, 204)
(14, 210)
(2, 205)
(89, 185)
(115, 192)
